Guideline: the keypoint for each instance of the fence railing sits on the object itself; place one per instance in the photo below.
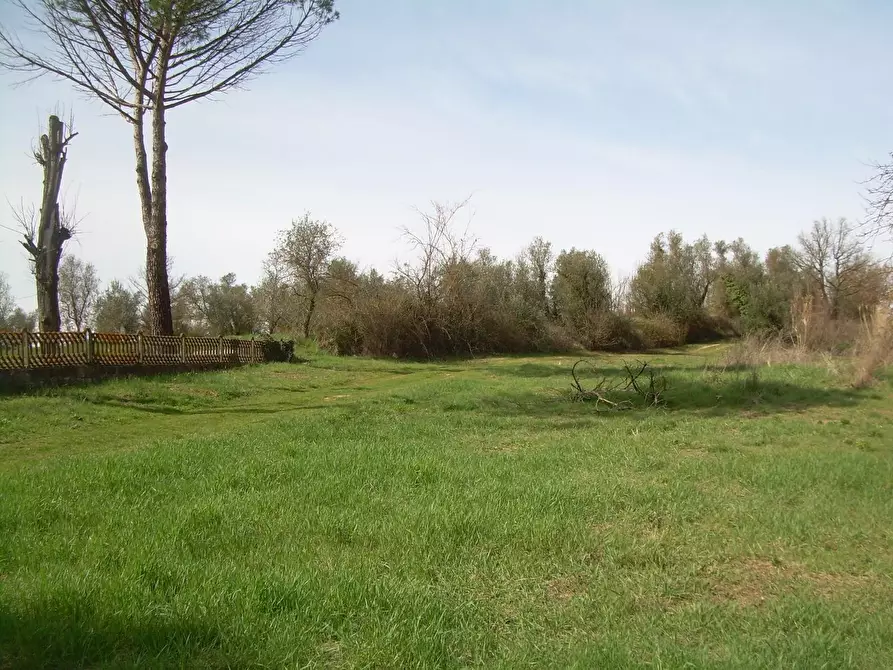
(22, 351)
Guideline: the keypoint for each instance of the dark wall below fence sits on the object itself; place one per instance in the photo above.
(15, 381)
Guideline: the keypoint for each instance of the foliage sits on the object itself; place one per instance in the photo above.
(581, 290)
(304, 252)
(449, 300)
(13, 317)
(7, 301)
(78, 292)
(451, 297)
(219, 308)
(658, 331)
(278, 350)
(675, 279)
(541, 259)
(118, 309)
(20, 320)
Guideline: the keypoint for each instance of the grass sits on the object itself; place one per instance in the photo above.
(359, 513)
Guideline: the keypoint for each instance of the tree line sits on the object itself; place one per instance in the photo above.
(453, 296)
(145, 59)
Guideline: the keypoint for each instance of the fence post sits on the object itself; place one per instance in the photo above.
(251, 351)
(139, 347)
(88, 336)
(25, 349)
(182, 347)
(220, 348)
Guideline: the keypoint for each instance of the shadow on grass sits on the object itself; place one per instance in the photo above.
(267, 408)
(608, 368)
(682, 395)
(82, 637)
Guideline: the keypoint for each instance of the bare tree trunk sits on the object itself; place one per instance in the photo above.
(47, 278)
(45, 243)
(155, 225)
(704, 293)
(311, 305)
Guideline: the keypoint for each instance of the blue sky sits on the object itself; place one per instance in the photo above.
(593, 124)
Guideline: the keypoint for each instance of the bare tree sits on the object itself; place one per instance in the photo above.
(140, 56)
(437, 245)
(834, 260)
(620, 293)
(78, 291)
(879, 200)
(44, 235)
(305, 251)
(272, 294)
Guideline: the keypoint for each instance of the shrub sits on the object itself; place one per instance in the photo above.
(278, 350)
(707, 328)
(874, 346)
(658, 331)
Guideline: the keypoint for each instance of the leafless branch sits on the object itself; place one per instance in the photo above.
(437, 245)
(878, 198)
(643, 380)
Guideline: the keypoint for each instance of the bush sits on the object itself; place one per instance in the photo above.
(276, 350)
(707, 328)
(343, 338)
(610, 331)
(659, 331)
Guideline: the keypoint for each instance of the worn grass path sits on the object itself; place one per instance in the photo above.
(357, 513)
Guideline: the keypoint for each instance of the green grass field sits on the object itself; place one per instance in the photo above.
(358, 513)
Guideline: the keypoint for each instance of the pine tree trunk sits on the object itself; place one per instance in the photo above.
(153, 202)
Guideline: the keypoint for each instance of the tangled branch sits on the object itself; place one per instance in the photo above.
(641, 380)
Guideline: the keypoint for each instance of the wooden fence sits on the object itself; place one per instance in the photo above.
(25, 351)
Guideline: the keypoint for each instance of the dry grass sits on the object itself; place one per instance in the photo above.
(756, 351)
(751, 582)
(874, 347)
(565, 588)
(850, 350)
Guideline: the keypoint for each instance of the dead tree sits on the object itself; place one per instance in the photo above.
(45, 236)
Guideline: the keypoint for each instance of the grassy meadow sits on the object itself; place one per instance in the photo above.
(356, 513)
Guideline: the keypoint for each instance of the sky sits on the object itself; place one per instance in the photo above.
(595, 124)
